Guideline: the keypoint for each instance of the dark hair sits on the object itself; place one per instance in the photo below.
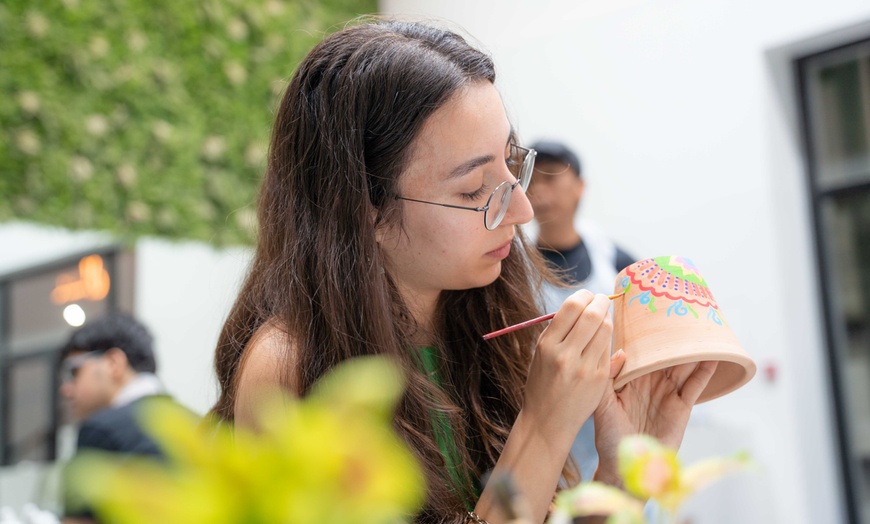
(558, 152)
(341, 139)
(116, 330)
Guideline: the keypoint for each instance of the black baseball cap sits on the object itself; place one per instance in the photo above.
(559, 152)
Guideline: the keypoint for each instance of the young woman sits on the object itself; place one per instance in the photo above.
(388, 225)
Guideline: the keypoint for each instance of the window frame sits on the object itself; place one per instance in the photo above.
(820, 192)
(119, 264)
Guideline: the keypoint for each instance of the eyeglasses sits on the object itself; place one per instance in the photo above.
(69, 368)
(521, 164)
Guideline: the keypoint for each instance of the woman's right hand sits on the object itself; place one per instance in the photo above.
(567, 379)
(571, 366)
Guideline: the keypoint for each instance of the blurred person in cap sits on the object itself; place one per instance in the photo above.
(108, 373)
(580, 252)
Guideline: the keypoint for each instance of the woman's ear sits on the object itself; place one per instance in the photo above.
(378, 225)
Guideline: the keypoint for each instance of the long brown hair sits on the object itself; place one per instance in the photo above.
(341, 140)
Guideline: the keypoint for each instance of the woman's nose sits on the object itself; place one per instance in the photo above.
(519, 208)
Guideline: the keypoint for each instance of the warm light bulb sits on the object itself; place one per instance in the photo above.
(74, 315)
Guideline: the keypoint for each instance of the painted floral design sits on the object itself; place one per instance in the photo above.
(675, 279)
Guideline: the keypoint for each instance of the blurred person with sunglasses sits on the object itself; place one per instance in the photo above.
(107, 374)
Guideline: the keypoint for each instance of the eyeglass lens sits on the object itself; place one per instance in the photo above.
(521, 167)
(70, 367)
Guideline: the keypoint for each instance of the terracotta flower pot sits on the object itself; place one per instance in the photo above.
(668, 316)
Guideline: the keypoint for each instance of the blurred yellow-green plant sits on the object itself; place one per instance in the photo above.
(330, 458)
(147, 116)
(648, 470)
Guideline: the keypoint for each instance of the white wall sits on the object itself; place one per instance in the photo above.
(681, 112)
(183, 293)
(24, 245)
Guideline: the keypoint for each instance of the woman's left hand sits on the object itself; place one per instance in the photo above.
(657, 404)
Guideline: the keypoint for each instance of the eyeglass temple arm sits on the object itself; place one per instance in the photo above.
(444, 205)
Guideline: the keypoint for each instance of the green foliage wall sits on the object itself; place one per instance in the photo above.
(147, 116)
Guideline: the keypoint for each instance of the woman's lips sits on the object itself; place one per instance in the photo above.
(502, 252)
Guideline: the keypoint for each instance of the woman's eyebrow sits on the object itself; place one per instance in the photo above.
(469, 166)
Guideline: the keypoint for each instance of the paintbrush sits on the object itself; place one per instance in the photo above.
(528, 323)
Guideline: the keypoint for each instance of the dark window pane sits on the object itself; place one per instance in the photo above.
(846, 230)
(31, 391)
(840, 113)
